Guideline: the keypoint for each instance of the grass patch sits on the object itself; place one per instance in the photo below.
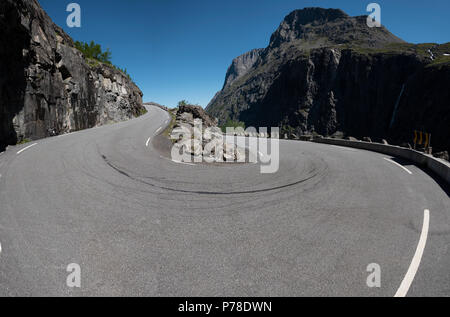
(172, 123)
(142, 111)
(422, 50)
(24, 141)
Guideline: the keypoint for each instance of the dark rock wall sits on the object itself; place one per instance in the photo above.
(14, 39)
(47, 87)
(425, 106)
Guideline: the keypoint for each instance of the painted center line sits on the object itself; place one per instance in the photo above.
(407, 170)
(148, 141)
(24, 149)
(409, 277)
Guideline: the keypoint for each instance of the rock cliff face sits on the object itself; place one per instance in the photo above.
(46, 85)
(326, 72)
(241, 65)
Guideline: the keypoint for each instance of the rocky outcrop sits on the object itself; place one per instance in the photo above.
(325, 72)
(317, 27)
(46, 85)
(196, 134)
(241, 65)
(197, 112)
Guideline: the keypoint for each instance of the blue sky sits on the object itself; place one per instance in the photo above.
(181, 49)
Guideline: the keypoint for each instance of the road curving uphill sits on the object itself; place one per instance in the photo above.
(138, 223)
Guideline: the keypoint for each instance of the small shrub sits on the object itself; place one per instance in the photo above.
(183, 103)
(94, 51)
(232, 124)
(24, 141)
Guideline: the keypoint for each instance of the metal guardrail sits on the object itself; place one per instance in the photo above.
(438, 166)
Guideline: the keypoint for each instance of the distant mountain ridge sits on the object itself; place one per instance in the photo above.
(325, 71)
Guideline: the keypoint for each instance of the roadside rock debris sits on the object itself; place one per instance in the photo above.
(197, 134)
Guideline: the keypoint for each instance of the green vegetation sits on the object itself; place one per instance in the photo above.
(142, 111)
(183, 103)
(232, 124)
(408, 48)
(94, 55)
(94, 51)
(171, 126)
(24, 141)
(187, 103)
(123, 71)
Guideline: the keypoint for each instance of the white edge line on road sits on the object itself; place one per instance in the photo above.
(148, 141)
(407, 170)
(24, 149)
(409, 277)
(345, 148)
(158, 130)
(62, 135)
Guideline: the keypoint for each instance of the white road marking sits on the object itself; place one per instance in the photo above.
(407, 170)
(407, 281)
(148, 141)
(345, 148)
(65, 134)
(24, 149)
(158, 130)
(0, 248)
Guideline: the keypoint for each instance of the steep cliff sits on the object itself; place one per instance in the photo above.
(47, 87)
(241, 65)
(326, 72)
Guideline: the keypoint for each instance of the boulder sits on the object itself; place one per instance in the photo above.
(198, 113)
(442, 155)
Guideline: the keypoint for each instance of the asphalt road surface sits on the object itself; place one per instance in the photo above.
(139, 224)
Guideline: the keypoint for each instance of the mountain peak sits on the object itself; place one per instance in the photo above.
(317, 27)
(314, 15)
